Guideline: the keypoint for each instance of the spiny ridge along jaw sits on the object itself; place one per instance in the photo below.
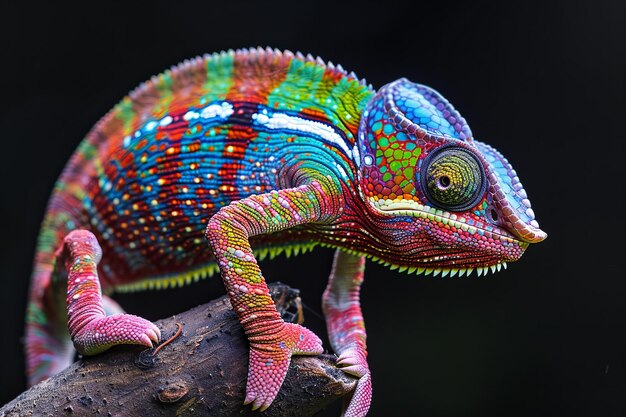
(443, 271)
(435, 271)
(414, 209)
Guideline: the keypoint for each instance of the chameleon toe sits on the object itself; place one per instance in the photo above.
(101, 333)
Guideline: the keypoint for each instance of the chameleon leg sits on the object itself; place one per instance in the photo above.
(346, 328)
(272, 341)
(48, 342)
(91, 330)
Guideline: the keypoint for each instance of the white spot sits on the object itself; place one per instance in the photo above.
(341, 170)
(326, 132)
(165, 121)
(368, 160)
(150, 125)
(190, 115)
(356, 156)
(217, 110)
(261, 118)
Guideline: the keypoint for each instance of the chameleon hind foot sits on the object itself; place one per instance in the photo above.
(353, 361)
(91, 330)
(269, 360)
(346, 328)
(101, 333)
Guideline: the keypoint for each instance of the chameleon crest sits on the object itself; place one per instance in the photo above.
(231, 157)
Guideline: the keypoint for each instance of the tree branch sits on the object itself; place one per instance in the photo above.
(201, 372)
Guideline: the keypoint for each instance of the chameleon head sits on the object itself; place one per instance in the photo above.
(443, 200)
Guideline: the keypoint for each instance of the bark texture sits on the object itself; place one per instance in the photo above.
(201, 372)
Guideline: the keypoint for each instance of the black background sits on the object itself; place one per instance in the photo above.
(543, 83)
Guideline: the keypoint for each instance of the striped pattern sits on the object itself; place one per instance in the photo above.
(188, 142)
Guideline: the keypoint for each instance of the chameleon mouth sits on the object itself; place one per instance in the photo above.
(413, 209)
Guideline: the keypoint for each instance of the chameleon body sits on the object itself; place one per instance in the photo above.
(259, 152)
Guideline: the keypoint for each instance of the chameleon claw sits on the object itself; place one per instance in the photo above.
(356, 370)
(265, 405)
(154, 335)
(261, 403)
(145, 340)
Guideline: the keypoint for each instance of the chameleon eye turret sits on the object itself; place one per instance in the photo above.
(452, 178)
(398, 130)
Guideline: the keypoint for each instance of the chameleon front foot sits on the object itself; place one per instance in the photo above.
(102, 333)
(269, 360)
(353, 361)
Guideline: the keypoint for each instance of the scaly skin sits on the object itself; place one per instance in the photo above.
(260, 152)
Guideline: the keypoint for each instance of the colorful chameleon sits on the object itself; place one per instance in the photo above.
(263, 151)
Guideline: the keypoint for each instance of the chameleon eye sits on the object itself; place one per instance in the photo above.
(453, 179)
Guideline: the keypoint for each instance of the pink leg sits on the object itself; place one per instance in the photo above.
(272, 341)
(346, 328)
(91, 330)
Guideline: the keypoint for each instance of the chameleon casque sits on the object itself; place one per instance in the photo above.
(257, 152)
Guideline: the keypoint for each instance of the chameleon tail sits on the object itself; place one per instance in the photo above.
(47, 352)
(48, 345)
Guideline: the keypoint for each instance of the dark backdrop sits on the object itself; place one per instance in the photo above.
(543, 83)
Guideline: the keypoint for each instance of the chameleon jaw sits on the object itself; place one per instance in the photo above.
(401, 207)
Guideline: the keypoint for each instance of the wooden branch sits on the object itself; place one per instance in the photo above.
(201, 372)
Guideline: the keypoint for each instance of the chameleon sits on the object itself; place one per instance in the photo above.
(231, 157)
